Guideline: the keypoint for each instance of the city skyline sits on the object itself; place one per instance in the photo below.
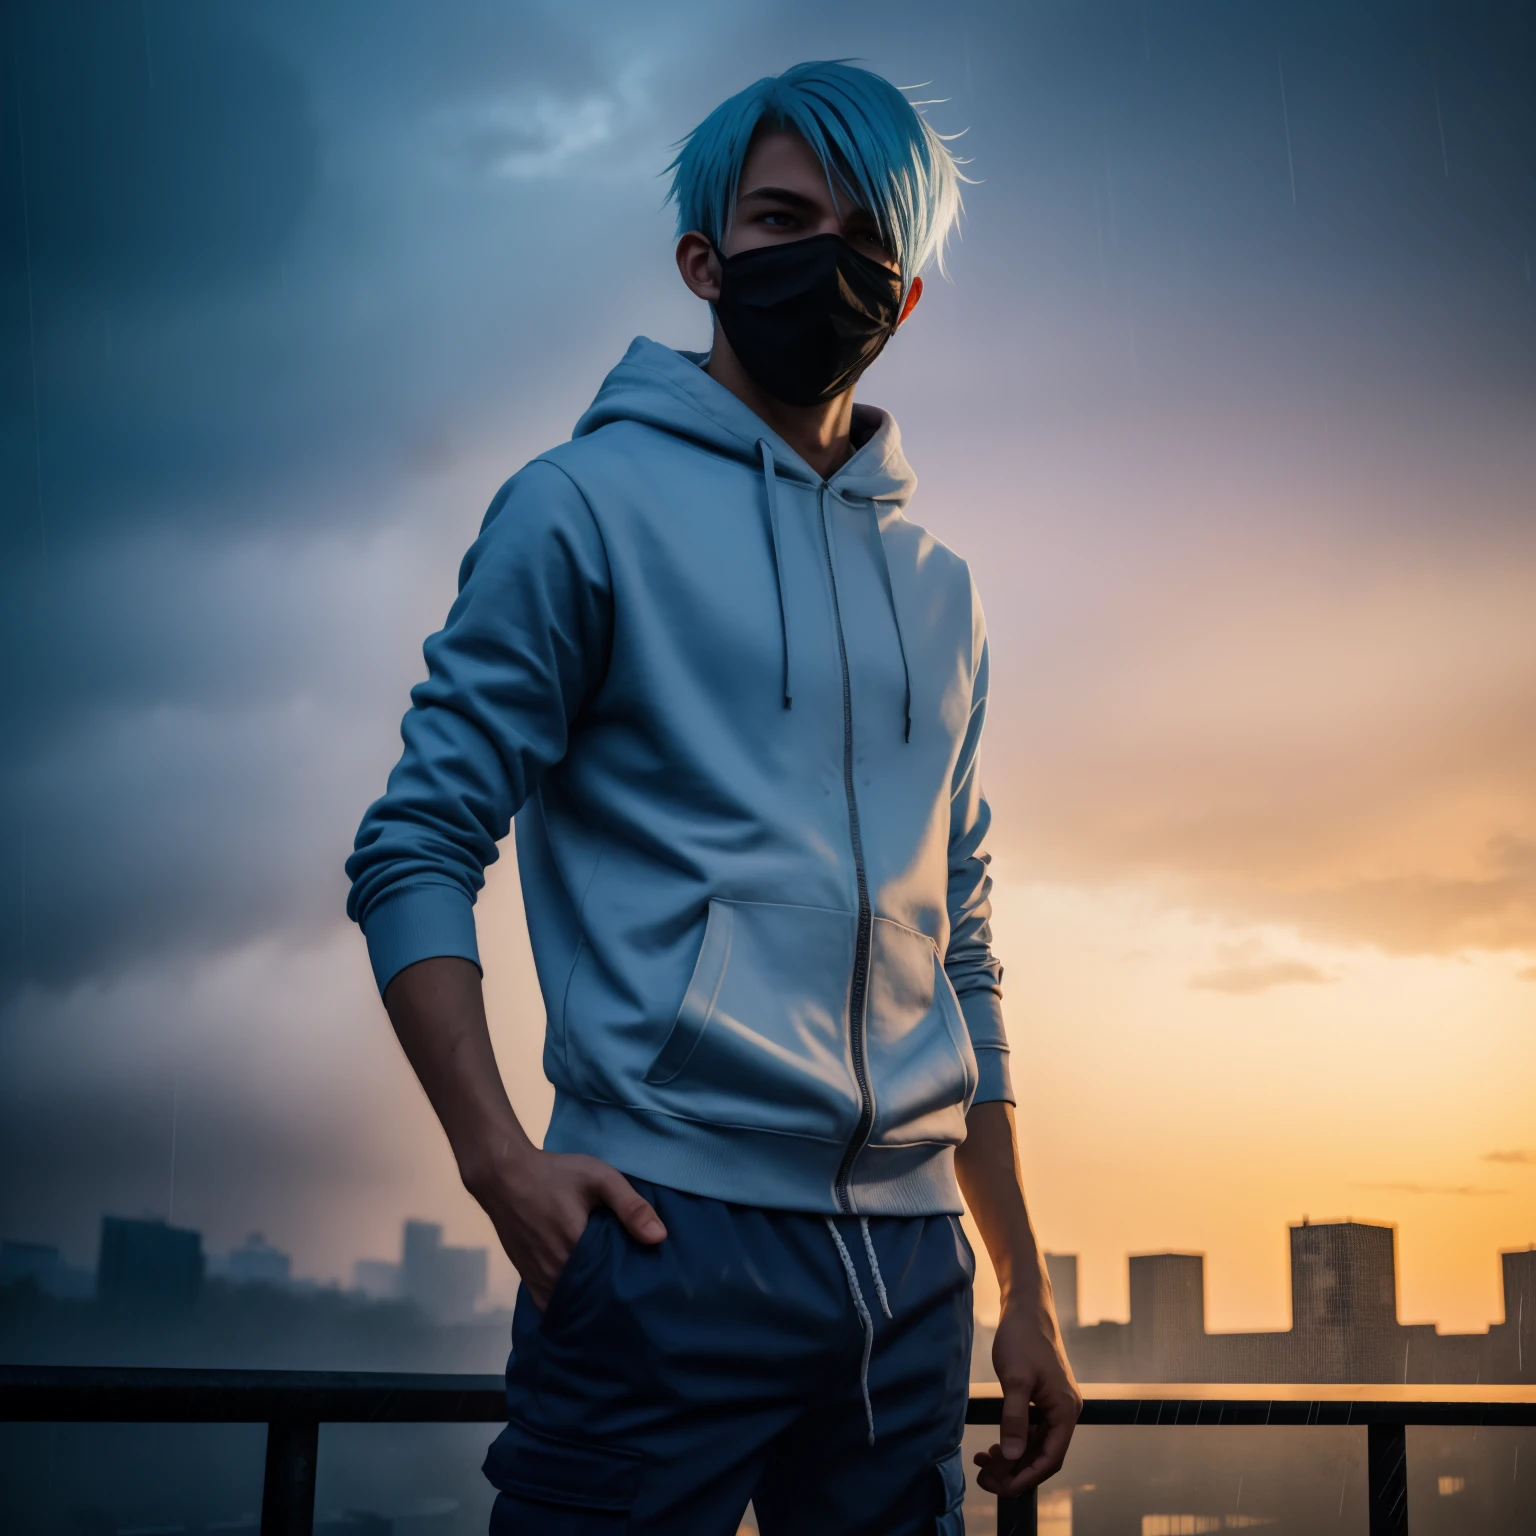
(414, 1275)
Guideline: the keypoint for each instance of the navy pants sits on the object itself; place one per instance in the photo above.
(666, 1386)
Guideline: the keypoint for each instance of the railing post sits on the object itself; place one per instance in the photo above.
(1386, 1462)
(288, 1489)
(1021, 1516)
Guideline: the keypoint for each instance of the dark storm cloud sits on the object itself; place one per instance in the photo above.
(241, 254)
(165, 148)
(221, 1096)
(271, 269)
(1137, 164)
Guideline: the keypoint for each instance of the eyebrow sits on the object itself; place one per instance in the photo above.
(799, 200)
(779, 195)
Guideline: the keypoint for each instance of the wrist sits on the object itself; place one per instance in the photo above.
(492, 1158)
(1024, 1288)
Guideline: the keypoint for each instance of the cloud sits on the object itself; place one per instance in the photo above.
(159, 156)
(532, 132)
(1434, 1189)
(1521, 1158)
(266, 1070)
(1265, 731)
(1494, 909)
(1242, 980)
(1245, 968)
(199, 743)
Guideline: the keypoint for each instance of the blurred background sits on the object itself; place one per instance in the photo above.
(1229, 403)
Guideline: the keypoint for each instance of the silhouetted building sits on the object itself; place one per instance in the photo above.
(1062, 1269)
(43, 1265)
(377, 1278)
(1513, 1342)
(446, 1283)
(1167, 1315)
(1344, 1301)
(37, 1262)
(1344, 1325)
(257, 1263)
(148, 1267)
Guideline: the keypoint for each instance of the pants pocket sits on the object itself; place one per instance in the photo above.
(552, 1487)
(579, 1263)
(951, 1493)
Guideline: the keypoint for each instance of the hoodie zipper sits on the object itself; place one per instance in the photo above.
(858, 994)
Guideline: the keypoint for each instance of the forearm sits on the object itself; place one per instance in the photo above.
(987, 1163)
(438, 1012)
(1027, 1349)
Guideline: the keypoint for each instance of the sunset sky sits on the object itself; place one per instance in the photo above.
(1230, 403)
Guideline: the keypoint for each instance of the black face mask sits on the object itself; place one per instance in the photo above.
(806, 318)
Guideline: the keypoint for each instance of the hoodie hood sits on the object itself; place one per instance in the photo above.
(659, 387)
(669, 390)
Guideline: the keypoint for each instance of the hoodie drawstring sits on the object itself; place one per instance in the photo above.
(771, 490)
(860, 1307)
(771, 493)
(890, 597)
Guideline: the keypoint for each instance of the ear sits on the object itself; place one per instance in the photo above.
(699, 266)
(914, 293)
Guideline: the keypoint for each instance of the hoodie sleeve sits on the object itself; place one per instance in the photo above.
(525, 644)
(973, 970)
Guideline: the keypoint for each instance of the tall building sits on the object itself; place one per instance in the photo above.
(148, 1268)
(1514, 1339)
(446, 1283)
(1344, 1301)
(1167, 1315)
(1062, 1270)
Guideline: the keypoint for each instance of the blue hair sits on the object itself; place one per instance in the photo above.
(866, 134)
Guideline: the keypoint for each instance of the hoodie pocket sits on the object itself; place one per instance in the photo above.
(921, 1064)
(761, 1038)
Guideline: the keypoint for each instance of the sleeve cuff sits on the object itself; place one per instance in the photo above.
(983, 1013)
(993, 1081)
(419, 922)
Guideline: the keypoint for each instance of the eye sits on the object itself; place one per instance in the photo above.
(778, 220)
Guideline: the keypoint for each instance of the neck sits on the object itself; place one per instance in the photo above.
(820, 434)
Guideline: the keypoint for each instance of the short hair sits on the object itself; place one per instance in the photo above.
(865, 132)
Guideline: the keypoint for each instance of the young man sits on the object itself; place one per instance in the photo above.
(734, 700)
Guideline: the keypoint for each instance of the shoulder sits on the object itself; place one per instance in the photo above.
(944, 588)
(536, 516)
(614, 444)
(938, 568)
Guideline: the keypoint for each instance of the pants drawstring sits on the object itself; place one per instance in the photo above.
(874, 1265)
(860, 1307)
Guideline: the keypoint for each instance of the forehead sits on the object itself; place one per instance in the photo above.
(778, 157)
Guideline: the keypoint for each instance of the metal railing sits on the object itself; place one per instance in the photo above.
(294, 1404)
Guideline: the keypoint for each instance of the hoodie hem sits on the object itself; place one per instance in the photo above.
(765, 1169)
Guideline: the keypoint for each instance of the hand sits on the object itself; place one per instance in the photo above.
(1032, 1367)
(539, 1203)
